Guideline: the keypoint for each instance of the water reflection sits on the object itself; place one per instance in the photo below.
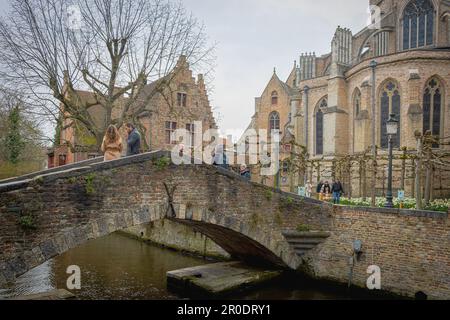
(36, 280)
(113, 267)
(117, 267)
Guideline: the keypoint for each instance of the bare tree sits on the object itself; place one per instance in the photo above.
(112, 48)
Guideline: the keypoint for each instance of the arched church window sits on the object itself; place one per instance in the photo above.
(357, 102)
(274, 98)
(432, 108)
(389, 103)
(274, 121)
(319, 125)
(418, 24)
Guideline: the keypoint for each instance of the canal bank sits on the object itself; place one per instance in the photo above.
(187, 282)
(178, 237)
(120, 268)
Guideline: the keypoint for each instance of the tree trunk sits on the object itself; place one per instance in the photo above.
(413, 175)
(349, 167)
(374, 177)
(318, 172)
(432, 184)
(364, 186)
(418, 174)
(403, 174)
(428, 176)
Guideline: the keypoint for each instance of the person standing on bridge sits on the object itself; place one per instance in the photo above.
(326, 192)
(245, 172)
(337, 191)
(219, 157)
(134, 140)
(319, 190)
(112, 145)
(308, 189)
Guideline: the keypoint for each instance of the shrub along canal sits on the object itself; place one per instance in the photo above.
(118, 267)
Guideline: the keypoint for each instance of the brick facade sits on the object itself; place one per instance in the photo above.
(341, 75)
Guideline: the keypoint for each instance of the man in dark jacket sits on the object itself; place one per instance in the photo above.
(319, 188)
(337, 191)
(134, 140)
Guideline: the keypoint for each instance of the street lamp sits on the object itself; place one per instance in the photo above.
(373, 65)
(392, 129)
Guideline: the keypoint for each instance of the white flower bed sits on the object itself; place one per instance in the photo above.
(408, 203)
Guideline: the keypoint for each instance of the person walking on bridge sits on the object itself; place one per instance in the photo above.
(134, 140)
(112, 144)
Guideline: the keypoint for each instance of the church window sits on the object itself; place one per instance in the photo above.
(418, 24)
(432, 112)
(274, 121)
(389, 103)
(319, 125)
(357, 102)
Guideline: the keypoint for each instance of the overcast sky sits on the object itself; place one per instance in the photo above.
(254, 36)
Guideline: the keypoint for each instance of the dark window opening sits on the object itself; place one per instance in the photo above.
(181, 99)
(170, 129)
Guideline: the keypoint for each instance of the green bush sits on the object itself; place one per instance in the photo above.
(162, 163)
(303, 228)
(27, 222)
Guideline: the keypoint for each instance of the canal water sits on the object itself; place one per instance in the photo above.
(118, 267)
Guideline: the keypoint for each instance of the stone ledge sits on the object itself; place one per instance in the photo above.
(308, 234)
(79, 168)
(52, 170)
(400, 212)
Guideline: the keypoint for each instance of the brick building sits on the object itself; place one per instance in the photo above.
(176, 105)
(325, 103)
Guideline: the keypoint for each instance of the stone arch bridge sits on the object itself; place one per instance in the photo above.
(47, 213)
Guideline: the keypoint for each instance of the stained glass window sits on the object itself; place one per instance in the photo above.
(418, 24)
(432, 103)
(389, 103)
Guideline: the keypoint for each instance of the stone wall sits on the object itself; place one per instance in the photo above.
(411, 248)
